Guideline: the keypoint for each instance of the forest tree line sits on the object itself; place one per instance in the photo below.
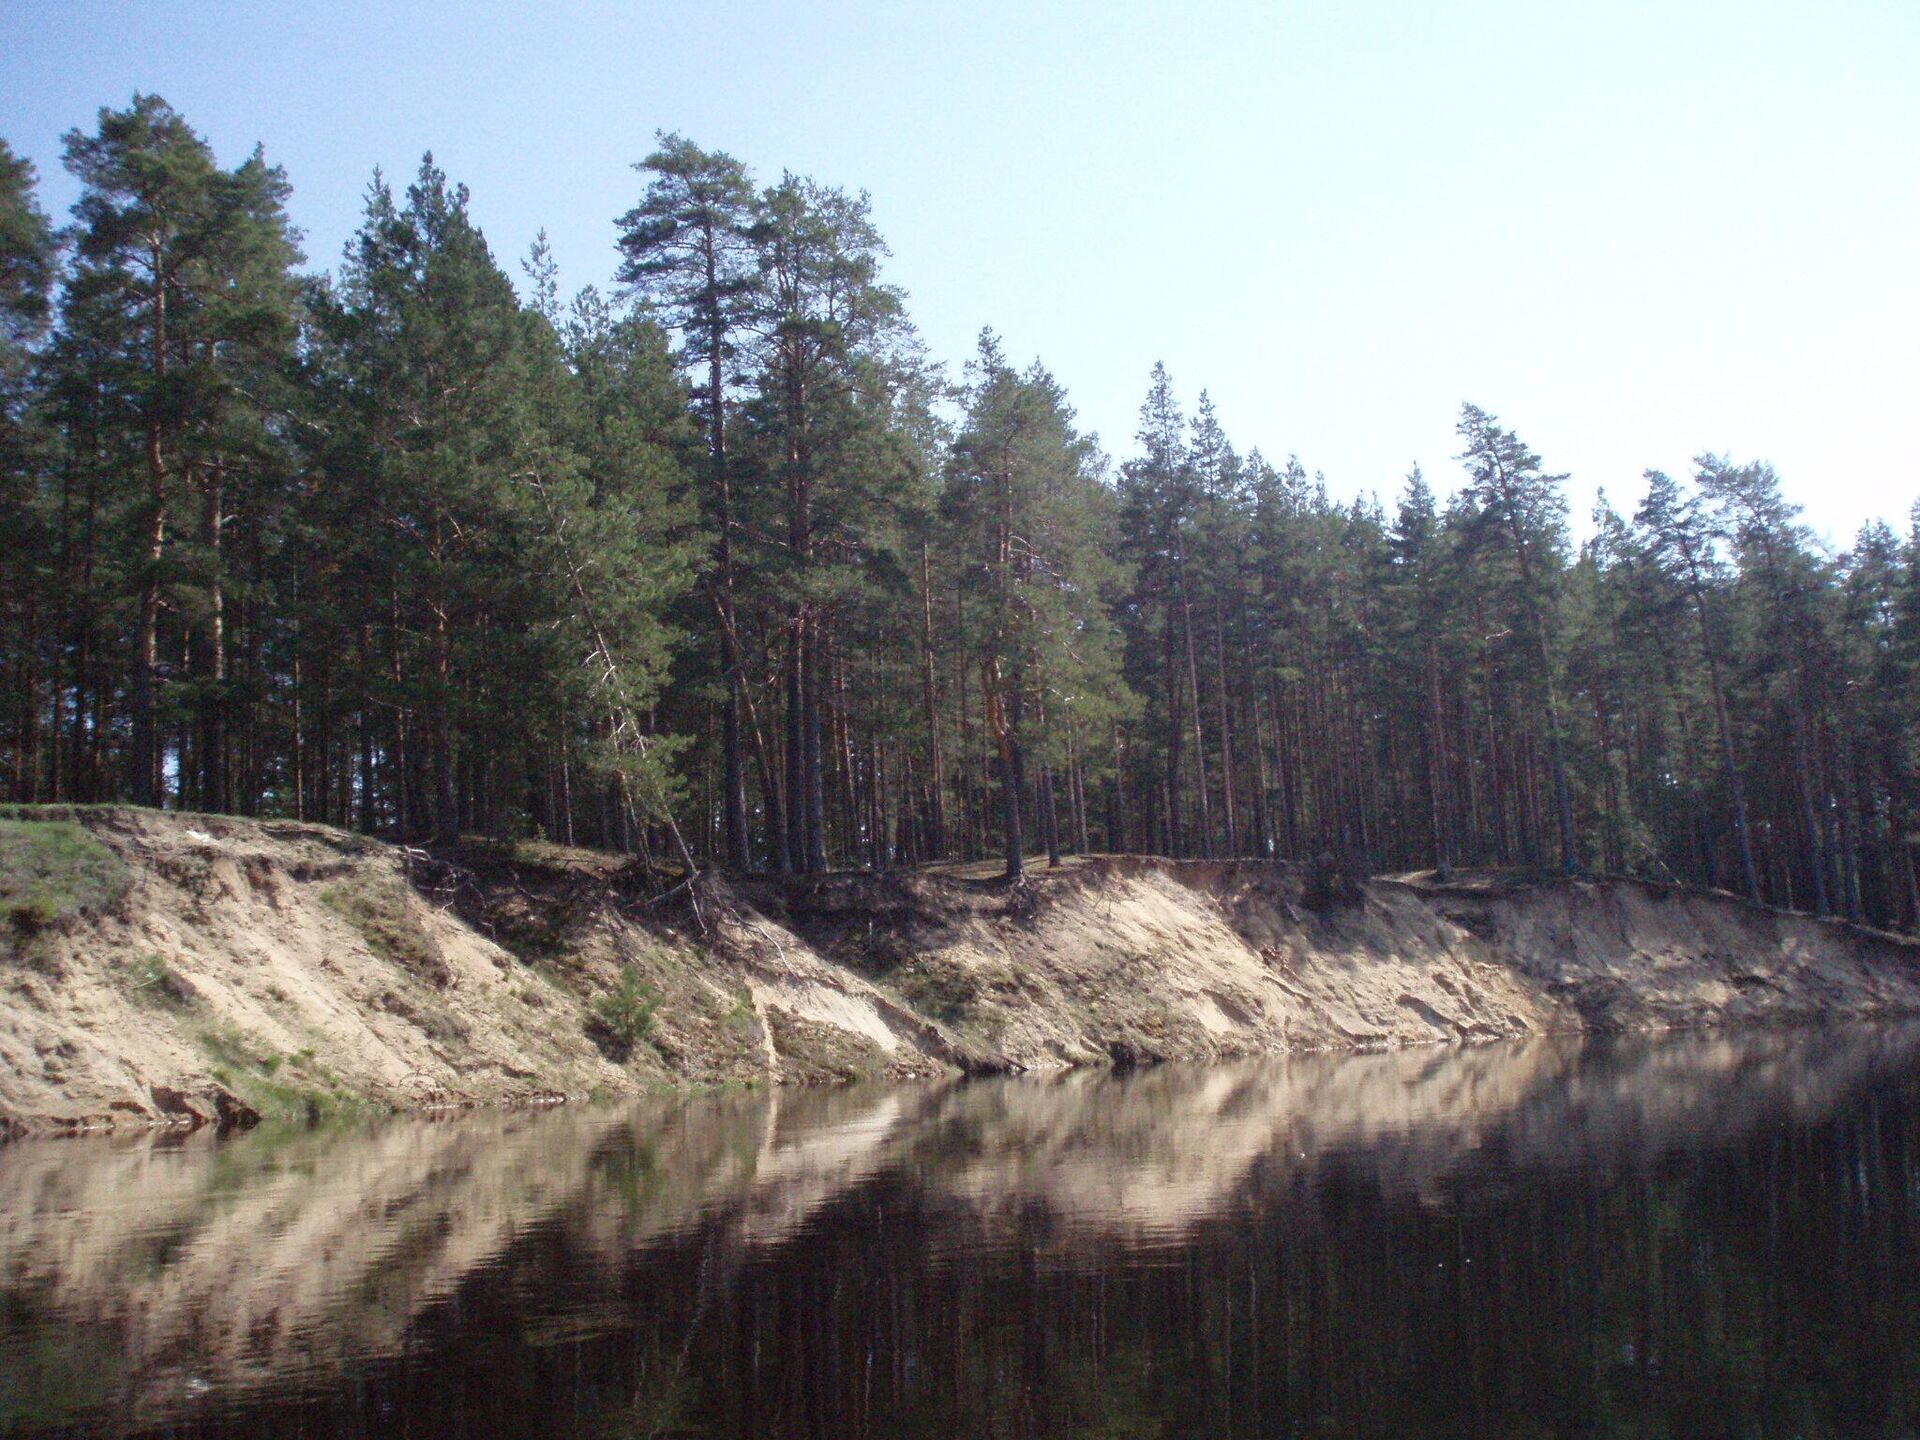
(721, 568)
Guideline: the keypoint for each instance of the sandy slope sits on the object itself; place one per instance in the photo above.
(241, 975)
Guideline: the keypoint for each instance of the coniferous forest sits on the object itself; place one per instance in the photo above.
(723, 568)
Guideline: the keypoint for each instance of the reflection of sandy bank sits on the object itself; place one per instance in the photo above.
(269, 1256)
(1160, 1149)
(237, 1261)
(1148, 1155)
(243, 1260)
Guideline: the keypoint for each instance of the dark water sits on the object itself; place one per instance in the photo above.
(1686, 1237)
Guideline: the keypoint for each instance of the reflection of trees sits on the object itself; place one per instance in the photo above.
(1694, 1236)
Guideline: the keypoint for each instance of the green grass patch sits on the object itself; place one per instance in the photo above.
(153, 980)
(381, 911)
(52, 871)
(295, 1089)
(226, 1045)
(941, 992)
(305, 1100)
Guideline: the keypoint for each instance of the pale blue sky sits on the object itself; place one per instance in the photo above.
(1633, 231)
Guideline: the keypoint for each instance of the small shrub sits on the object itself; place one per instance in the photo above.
(946, 993)
(623, 1017)
(1334, 884)
(155, 980)
(741, 1019)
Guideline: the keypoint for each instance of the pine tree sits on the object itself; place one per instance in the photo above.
(29, 563)
(1779, 571)
(1678, 545)
(1159, 496)
(1024, 506)
(182, 287)
(685, 249)
(429, 334)
(1521, 513)
(831, 333)
(1417, 557)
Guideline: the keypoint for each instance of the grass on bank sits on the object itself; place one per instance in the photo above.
(296, 1089)
(387, 922)
(52, 871)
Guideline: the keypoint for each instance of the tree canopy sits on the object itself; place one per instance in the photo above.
(721, 568)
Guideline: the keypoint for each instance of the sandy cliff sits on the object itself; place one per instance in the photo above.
(229, 969)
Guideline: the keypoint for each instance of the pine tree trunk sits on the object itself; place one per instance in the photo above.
(1012, 785)
(83, 751)
(816, 793)
(1262, 776)
(1049, 817)
(767, 764)
(146, 732)
(1849, 812)
(734, 778)
(446, 804)
(936, 770)
(1556, 755)
(849, 757)
(1227, 778)
(796, 746)
(1436, 766)
(213, 710)
(1199, 737)
(1610, 795)
(971, 847)
(363, 723)
(1748, 873)
(1170, 777)
(56, 713)
(1077, 794)
(1803, 778)
(26, 734)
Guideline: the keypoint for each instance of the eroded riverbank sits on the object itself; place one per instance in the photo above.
(223, 969)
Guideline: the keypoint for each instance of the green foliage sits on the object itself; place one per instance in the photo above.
(1031, 527)
(154, 981)
(52, 871)
(296, 1089)
(179, 324)
(623, 1016)
(721, 567)
(28, 264)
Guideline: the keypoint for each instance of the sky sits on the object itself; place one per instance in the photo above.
(1634, 232)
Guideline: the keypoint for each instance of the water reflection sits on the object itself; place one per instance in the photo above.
(1689, 1235)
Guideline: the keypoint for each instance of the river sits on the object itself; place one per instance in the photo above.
(1696, 1235)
